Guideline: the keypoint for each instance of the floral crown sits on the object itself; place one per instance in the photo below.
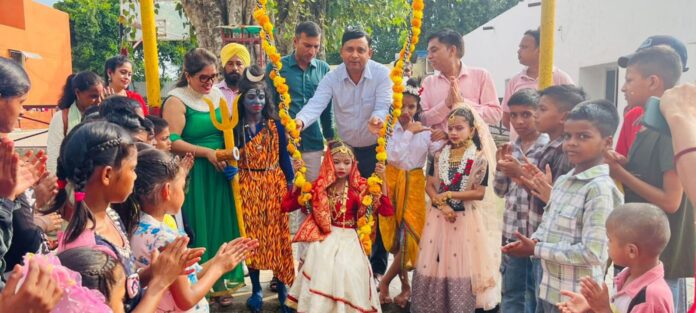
(413, 90)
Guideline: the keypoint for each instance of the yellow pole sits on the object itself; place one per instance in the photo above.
(548, 22)
(147, 13)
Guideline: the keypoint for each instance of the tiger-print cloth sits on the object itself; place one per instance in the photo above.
(262, 187)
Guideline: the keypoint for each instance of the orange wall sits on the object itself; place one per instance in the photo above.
(46, 32)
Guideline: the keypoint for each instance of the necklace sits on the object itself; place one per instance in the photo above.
(461, 175)
(336, 198)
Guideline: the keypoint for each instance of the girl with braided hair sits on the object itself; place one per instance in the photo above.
(159, 190)
(96, 167)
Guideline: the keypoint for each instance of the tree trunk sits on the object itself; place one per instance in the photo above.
(291, 13)
(204, 16)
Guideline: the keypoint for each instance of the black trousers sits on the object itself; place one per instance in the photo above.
(367, 160)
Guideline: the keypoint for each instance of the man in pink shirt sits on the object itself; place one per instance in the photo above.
(528, 55)
(455, 83)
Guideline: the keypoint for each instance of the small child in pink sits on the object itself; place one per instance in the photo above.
(638, 232)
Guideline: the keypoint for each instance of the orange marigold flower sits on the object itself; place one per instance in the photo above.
(416, 22)
(382, 156)
(307, 187)
(263, 20)
(399, 88)
(418, 5)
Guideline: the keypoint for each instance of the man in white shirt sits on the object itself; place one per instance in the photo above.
(360, 91)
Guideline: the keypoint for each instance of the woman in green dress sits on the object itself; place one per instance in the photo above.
(209, 206)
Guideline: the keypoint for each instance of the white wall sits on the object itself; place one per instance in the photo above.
(589, 33)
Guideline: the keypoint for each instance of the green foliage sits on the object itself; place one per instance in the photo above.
(461, 15)
(386, 20)
(94, 33)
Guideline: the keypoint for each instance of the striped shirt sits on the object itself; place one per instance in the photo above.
(572, 236)
(517, 199)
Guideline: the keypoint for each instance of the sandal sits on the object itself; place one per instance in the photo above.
(273, 285)
(225, 301)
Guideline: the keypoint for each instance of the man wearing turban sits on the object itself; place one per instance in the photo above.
(235, 58)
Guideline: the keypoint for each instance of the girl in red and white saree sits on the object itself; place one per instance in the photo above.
(334, 273)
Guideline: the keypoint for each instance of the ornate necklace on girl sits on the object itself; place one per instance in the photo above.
(338, 215)
(457, 180)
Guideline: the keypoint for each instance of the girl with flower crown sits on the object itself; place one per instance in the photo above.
(407, 150)
(335, 274)
(457, 269)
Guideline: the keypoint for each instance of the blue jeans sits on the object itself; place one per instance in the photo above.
(518, 285)
(678, 287)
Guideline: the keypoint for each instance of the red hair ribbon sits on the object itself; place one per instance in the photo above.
(79, 196)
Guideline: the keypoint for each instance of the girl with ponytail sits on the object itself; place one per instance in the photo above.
(159, 190)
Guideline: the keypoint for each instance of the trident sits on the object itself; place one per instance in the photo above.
(231, 153)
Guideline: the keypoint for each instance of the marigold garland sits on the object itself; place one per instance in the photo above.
(366, 222)
(261, 17)
(374, 182)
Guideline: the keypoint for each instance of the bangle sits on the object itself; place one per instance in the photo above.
(680, 154)
(449, 195)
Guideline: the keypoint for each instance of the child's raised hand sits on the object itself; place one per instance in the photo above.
(186, 162)
(38, 293)
(597, 296)
(615, 161)
(232, 253)
(416, 127)
(29, 171)
(9, 164)
(576, 303)
(438, 135)
(540, 185)
(523, 247)
(509, 166)
(502, 151)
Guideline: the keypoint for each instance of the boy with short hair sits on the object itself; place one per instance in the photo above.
(638, 232)
(649, 174)
(518, 279)
(639, 87)
(571, 240)
(161, 127)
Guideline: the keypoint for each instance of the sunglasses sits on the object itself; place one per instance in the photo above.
(208, 78)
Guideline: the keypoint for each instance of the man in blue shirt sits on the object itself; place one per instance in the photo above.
(360, 91)
(302, 73)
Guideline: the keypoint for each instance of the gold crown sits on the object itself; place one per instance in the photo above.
(342, 148)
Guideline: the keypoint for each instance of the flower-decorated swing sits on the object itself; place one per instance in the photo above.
(365, 223)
